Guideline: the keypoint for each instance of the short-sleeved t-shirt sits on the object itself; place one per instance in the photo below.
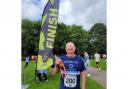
(73, 68)
(97, 57)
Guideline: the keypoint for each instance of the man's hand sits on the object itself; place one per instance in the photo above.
(61, 66)
(58, 61)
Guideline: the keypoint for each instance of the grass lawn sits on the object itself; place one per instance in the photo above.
(53, 81)
(102, 64)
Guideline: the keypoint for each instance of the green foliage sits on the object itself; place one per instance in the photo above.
(79, 36)
(72, 33)
(97, 39)
(90, 41)
(30, 37)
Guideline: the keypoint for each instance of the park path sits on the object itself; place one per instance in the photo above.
(99, 76)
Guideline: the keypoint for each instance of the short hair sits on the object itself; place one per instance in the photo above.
(70, 44)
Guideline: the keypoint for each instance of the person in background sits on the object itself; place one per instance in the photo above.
(104, 56)
(97, 59)
(39, 75)
(27, 60)
(87, 63)
(44, 73)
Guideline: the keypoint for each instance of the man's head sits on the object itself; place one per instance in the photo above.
(70, 49)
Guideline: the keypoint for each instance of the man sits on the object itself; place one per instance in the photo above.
(97, 59)
(72, 69)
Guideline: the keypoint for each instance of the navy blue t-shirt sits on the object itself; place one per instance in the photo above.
(73, 68)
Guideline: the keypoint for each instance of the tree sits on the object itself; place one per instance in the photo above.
(72, 33)
(79, 36)
(61, 38)
(30, 37)
(97, 39)
(84, 40)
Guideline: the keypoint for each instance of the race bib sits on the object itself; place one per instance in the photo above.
(70, 81)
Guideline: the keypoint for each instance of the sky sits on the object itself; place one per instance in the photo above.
(80, 12)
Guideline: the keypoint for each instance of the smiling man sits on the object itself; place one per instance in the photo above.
(75, 69)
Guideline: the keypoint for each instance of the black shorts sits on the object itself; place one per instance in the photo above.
(97, 62)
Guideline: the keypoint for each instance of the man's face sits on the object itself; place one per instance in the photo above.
(70, 49)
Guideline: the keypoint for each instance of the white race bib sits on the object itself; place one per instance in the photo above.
(70, 81)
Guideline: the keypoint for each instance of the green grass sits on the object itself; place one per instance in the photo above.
(53, 82)
(91, 84)
(102, 64)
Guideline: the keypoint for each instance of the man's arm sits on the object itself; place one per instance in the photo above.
(83, 77)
